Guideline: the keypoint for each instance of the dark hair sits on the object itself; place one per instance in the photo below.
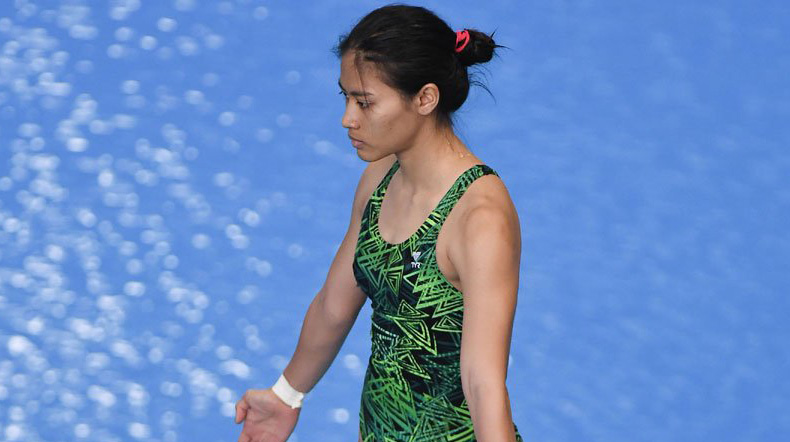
(412, 47)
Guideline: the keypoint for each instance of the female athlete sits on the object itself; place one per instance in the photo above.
(434, 242)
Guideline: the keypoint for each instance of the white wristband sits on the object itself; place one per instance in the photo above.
(288, 394)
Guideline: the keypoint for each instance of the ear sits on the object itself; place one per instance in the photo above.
(426, 99)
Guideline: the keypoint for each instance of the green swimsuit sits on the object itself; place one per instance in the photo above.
(412, 388)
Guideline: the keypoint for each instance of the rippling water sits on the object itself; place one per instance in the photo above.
(174, 182)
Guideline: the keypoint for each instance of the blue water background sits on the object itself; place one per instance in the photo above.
(174, 182)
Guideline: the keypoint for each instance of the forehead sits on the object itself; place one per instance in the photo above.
(359, 75)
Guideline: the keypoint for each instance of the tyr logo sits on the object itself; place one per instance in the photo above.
(415, 256)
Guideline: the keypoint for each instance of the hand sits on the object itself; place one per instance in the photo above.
(266, 417)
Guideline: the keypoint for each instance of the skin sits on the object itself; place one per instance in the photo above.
(478, 250)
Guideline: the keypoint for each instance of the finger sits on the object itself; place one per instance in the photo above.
(241, 413)
(241, 410)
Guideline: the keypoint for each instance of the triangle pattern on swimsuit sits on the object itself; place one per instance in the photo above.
(412, 389)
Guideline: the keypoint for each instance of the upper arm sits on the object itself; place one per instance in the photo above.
(488, 261)
(340, 295)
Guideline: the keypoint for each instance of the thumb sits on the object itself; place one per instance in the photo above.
(241, 410)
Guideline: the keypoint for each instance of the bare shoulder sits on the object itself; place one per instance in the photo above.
(487, 197)
(372, 175)
(486, 208)
(376, 170)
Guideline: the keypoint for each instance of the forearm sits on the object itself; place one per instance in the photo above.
(319, 342)
(489, 406)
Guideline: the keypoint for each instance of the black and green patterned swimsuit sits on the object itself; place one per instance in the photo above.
(412, 389)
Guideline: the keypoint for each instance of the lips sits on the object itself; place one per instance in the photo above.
(355, 142)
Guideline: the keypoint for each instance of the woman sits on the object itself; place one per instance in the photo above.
(438, 257)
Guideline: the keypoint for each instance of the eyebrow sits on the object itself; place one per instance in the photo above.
(354, 93)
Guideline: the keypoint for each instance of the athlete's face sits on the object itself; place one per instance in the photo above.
(379, 120)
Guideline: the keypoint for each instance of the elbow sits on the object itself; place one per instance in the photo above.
(469, 386)
(470, 379)
(475, 387)
(333, 313)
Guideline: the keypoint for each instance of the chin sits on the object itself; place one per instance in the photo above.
(370, 157)
(362, 156)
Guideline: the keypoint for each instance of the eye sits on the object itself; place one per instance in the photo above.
(362, 104)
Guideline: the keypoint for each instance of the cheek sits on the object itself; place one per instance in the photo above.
(391, 120)
(399, 127)
(387, 122)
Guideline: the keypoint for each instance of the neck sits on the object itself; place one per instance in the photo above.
(435, 154)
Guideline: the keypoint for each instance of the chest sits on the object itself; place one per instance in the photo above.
(399, 220)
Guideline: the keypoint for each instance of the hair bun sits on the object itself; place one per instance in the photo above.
(480, 48)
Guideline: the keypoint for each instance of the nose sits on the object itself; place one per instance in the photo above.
(349, 121)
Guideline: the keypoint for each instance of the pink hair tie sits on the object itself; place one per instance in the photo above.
(461, 40)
